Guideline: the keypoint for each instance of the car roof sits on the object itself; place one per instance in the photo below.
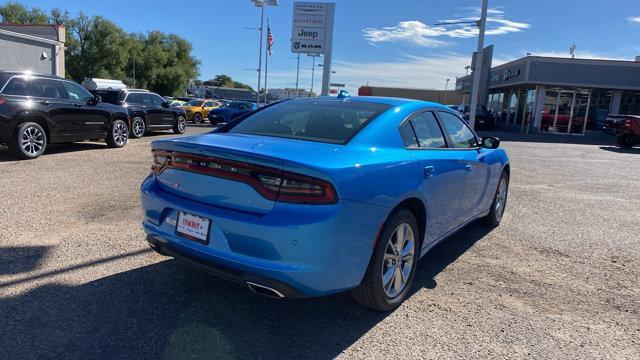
(28, 73)
(392, 101)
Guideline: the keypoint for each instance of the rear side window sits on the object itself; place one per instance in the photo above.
(408, 136)
(134, 98)
(428, 131)
(51, 89)
(461, 135)
(18, 86)
(313, 120)
(76, 92)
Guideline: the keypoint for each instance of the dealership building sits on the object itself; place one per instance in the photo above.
(36, 48)
(559, 95)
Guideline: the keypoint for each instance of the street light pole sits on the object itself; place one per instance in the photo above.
(477, 70)
(298, 76)
(313, 71)
(261, 4)
(446, 88)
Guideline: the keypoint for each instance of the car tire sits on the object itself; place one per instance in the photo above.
(499, 201)
(624, 141)
(378, 289)
(118, 134)
(29, 141)
(197, 118)
(180, 126)
(138, 127)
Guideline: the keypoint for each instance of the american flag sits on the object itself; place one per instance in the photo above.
(270, 39)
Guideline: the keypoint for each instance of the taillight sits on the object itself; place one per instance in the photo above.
(2, 101)
(627, 124)
(273, 184)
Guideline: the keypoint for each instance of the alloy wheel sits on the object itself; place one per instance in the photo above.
(398, 260)
(182, 124)
(501, 198)
(138, 127)
(197, 118)
(120, 134)
(32, 141)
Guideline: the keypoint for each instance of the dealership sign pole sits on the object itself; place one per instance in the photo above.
(312, 33)
(477, 70)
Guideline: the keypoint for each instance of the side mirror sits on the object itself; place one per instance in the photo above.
(97, 99)
(166, 104)
(490, 142)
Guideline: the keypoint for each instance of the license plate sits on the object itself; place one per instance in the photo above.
(193, 227)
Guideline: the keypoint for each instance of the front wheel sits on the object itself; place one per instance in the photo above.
(29, 141)
(197, 118)
(118, 134)
(392, 267)
(180, 126)
(499, 201)
(138, 127)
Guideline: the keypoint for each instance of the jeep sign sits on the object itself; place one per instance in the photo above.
(304, 33)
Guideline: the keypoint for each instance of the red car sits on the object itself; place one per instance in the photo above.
(626, 129)
(562, 122)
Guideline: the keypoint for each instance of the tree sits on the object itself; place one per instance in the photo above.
(17, 13)
(96, 47)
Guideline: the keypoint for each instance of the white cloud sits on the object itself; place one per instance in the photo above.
(419, 33)
(634, 20)
(578, 54)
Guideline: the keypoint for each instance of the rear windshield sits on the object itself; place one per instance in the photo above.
(314, 120)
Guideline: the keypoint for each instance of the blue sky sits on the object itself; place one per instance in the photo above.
(385, 43)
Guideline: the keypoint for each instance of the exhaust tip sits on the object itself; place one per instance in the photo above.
(265, 290)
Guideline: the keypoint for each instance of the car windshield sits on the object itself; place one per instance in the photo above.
(318, 120)
(234, 105)
(195, 103)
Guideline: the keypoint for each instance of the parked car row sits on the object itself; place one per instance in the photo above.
(37, 110)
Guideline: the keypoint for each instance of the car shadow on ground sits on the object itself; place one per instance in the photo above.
(621, 150)
(591, 138)
(169, 310)
(6, 155)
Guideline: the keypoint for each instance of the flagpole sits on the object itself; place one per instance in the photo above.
(266, 63)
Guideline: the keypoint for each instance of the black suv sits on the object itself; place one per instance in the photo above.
(148, 111)
(36, 110)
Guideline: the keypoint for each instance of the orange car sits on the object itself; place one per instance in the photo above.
(199, 109)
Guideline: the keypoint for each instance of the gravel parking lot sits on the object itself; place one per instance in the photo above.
(558, 279)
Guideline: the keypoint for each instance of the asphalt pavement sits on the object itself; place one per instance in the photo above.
(558, 279)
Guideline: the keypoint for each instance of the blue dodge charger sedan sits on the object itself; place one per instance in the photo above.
(311, 197)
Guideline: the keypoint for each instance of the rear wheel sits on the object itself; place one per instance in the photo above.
(138, 127)
(29, 141)
(118, 134)
(393, 264)
(180, 126)
(499, 201)
(624, 141)
(197, 118)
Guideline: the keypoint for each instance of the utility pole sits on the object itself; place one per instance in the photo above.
(477, 70)
(260, 53)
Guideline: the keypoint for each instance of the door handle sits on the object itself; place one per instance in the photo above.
(45, 102)
(467, 168)
(78, 105)
(428, 171)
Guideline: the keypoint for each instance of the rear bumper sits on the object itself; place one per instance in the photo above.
(299, 250)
